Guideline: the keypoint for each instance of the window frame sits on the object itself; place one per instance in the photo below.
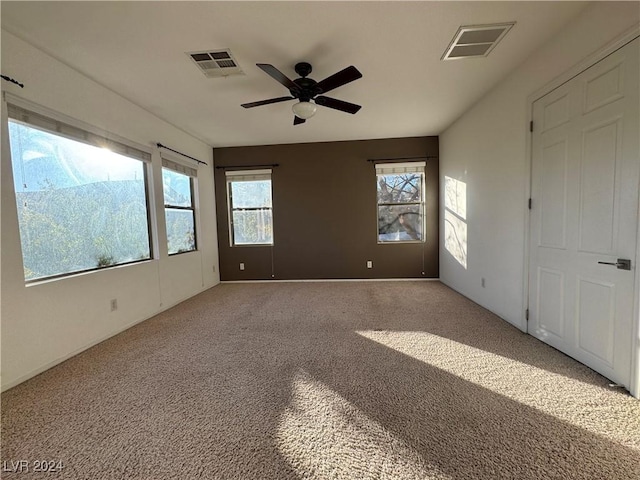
(192, 174)
(36, 117)
(402, 168)
(244, 176)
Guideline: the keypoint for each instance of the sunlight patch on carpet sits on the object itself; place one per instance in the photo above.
(323, 436)
(530, 385)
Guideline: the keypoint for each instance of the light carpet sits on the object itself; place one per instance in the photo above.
(336, 380)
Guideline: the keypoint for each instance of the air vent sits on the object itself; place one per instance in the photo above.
(475, 41)
(216, 63)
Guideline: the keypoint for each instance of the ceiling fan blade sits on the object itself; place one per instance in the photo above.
(278, 75)
(336, 80)
(266, 102)
(297, 120)
(337, 104)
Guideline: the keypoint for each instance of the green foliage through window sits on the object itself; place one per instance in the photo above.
(80, 207)
(251, 213)
(179, 211)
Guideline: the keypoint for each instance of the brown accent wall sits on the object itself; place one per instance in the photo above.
(325, 214)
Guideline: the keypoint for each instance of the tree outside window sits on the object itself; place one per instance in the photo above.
(400, 195)
(179, 209)
(80, 207)
(250, 207)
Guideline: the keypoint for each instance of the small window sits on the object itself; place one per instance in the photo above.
(400, 193)
(80, 207)
(179, 208)
(250, 207)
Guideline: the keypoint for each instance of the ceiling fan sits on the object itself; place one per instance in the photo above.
(308, 91)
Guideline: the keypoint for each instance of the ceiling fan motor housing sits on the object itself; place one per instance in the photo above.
(308, 86)
(308, 89)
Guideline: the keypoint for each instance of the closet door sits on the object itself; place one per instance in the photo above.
(585, 176)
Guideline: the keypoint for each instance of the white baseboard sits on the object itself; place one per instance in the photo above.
(522, 328)
(93, 343)
(336, 280)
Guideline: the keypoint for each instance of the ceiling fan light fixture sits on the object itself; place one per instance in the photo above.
(304, 110)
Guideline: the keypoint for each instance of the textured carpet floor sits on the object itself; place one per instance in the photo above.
(376, 380)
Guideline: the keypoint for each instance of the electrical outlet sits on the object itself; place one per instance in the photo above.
(114, 304)
(214, 269)
(482, 282)
(242, 266)
(369, 264)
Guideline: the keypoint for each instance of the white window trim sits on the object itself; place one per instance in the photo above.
(192, 173)
(42, 118)
(400, 168)
(173, 163)
(68, 127)
(246, 176)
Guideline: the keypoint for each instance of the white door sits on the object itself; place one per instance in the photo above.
(585, 176)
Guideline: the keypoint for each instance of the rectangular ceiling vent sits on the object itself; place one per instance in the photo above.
(475, 40)
(216, 63)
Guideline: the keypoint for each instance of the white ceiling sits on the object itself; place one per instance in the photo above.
(137, 49)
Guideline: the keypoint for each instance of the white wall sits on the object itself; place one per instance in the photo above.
(487, 150)
(45, 323)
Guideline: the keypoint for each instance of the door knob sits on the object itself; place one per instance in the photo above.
(621, 264)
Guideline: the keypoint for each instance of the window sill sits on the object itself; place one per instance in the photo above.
(397, 242)
(68, 276)
(182, 253)
(252, 245)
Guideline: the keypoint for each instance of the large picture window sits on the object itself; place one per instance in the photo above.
(400, 192)
(80, 207)
(179, 208)
(250, 207)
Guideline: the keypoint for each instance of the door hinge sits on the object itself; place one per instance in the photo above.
(531, 126)
(526, 314)
(530, 203)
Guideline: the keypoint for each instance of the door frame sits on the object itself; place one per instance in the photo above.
(606, 50)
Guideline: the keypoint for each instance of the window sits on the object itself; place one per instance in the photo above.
(179, 209)
(80, 207)
(400, 202)
(250, 208)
